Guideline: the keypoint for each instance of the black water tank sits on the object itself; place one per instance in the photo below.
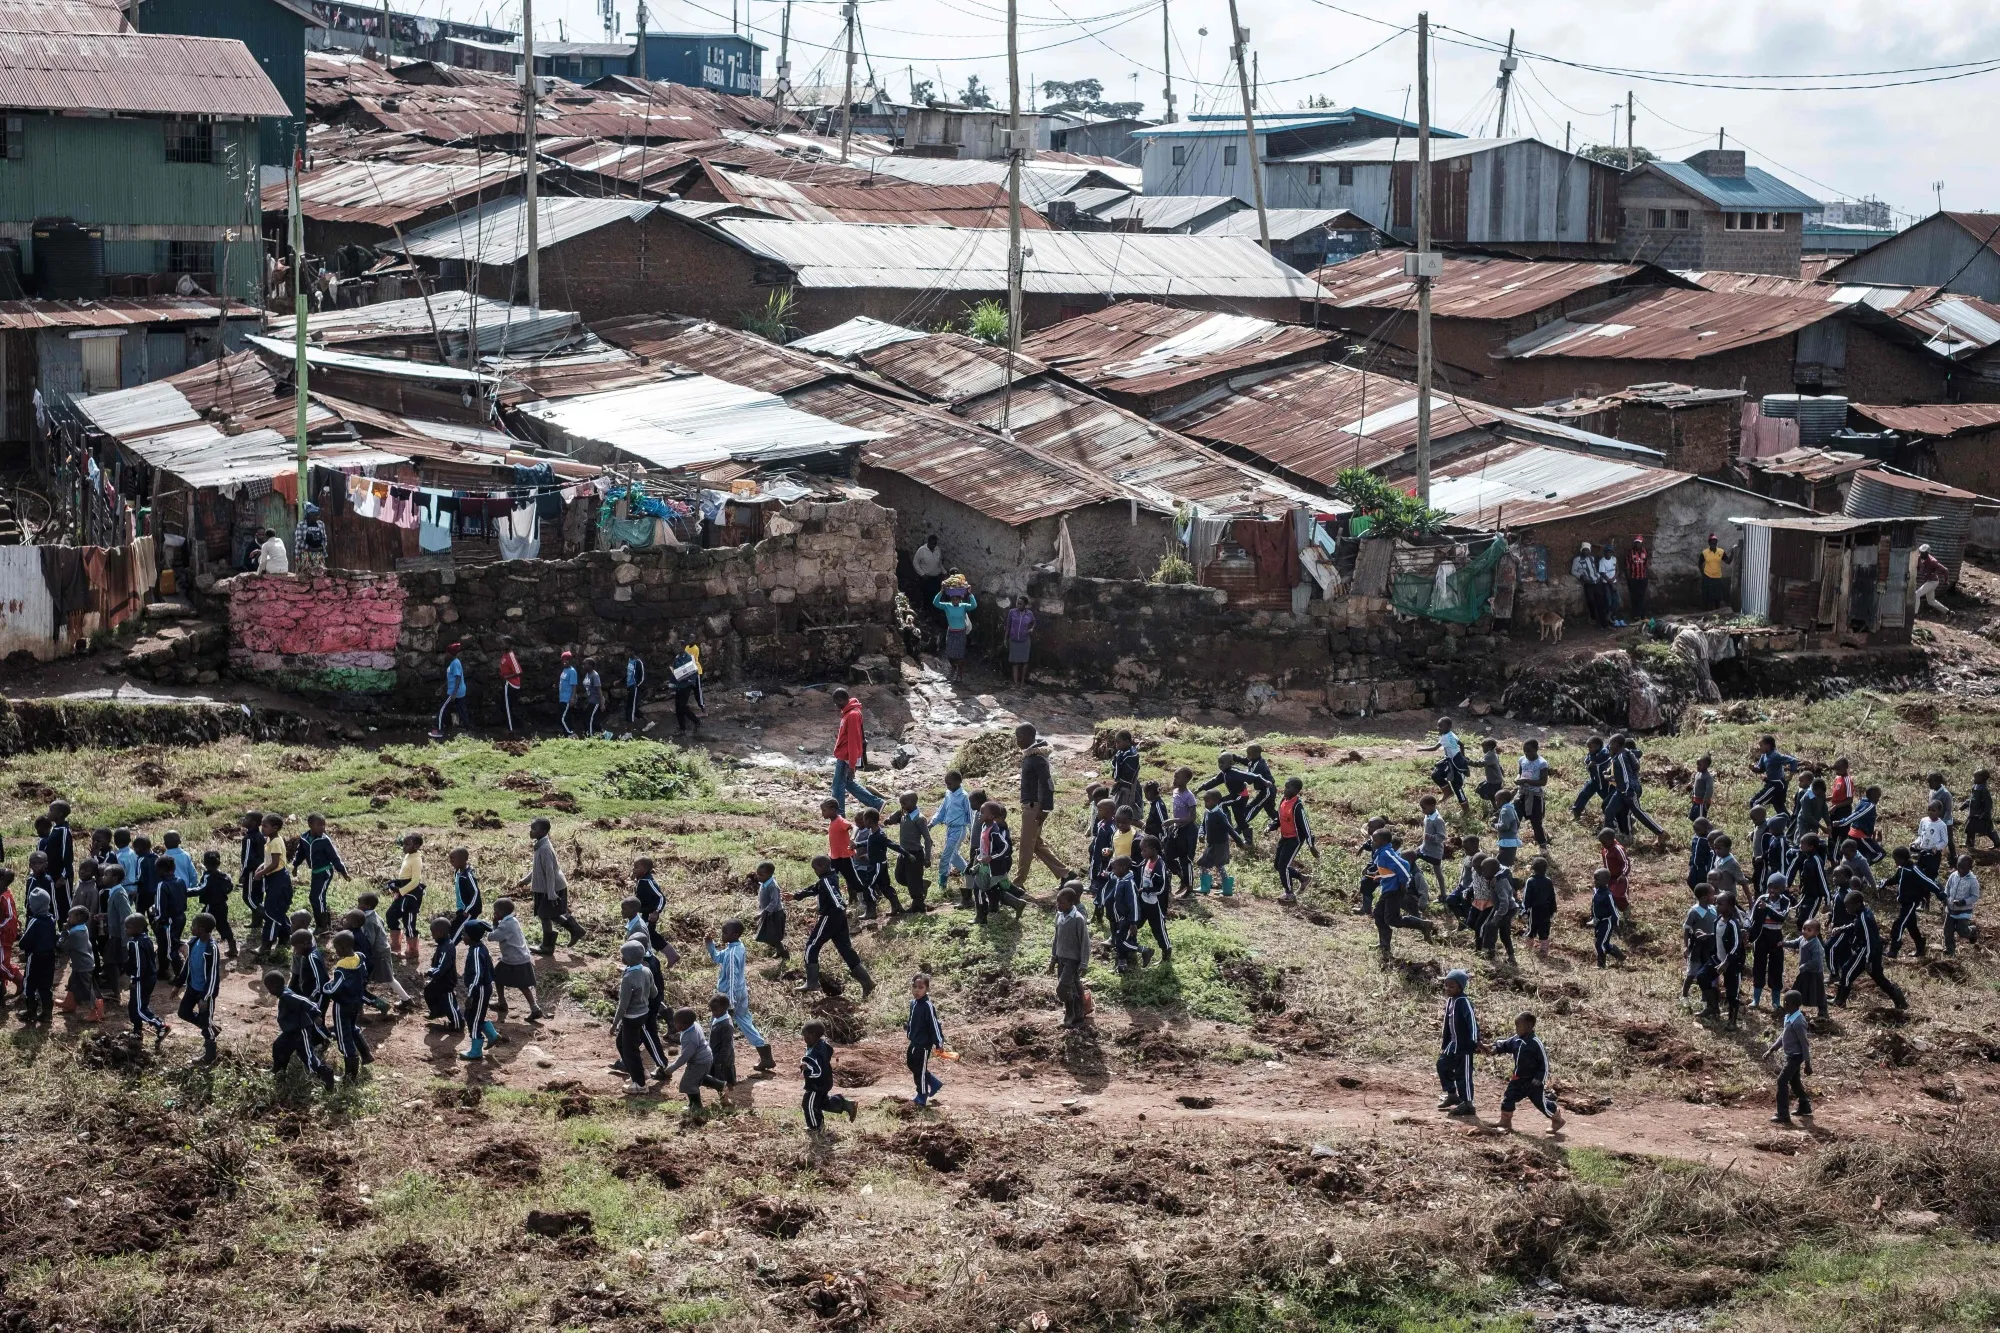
(69, 260)
(10, 271)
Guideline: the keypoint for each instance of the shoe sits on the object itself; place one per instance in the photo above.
(537, 1015)
(920, 1101)
(475, 1052)
(853, 1110)
(867, 989)
(1781, 1120)
(1463, 1108)
(1447, 1102)
(767, 1060)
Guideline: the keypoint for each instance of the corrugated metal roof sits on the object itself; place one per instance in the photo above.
(735, 355)
(848, 255)
(1040, 182)
(612, 49)
(1404, 149)
(1950, 325)
(1156, 212)
(1140, 348)
(1811, 465)
(399, 368)
(858, 335)
(1286, 224)
(1090, 198)
(1277, 122)
(1315, 421)
(1890, 495)
(496, 232)
(1669, 326)
(1068, 424)
(202, 456)
(579, 373)
(1755, 189)
(117, 312)
(63, 16)
(896, 204)
(1471, 286)
(138, 72)
(501, 327)
(391, 193)
(948, 367)
(691, 422)
(1519, 485)
(1821, 524)
(1937, 420)
(959, 460)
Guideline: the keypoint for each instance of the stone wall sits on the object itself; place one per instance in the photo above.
(807, 602)
(333, 634)
(1349, 655)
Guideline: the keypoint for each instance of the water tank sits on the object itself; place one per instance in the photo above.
(1869, 444)
(69, 260)
(1818, 415)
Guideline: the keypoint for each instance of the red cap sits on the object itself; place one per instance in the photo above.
(566, 655)
(456, 646)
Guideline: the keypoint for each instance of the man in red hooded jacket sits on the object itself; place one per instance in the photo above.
(847, 751)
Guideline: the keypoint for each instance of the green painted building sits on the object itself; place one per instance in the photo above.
(275, 33)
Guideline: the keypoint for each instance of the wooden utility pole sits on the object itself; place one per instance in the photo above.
(1240, 54)
(1508, 64)
(528, 90)
(298, 226)
(388, 39)
(1631, 158)
(1013, 207)
(783, 83)
(847, 94)
(1167, 59)
(640, 51)
(1425, 265)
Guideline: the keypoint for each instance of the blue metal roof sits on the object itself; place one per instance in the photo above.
(1214, 126)
(1755, 189)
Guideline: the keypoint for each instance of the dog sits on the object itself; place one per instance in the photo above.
(1549, 624)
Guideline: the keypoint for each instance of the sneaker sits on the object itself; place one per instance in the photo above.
(1463, 1108)
(853, 1110)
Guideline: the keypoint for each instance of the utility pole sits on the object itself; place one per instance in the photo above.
(298, 226)
(641, 49)
(847, 96)
(1567, 126)
(1720, 135)
(783, 83)
(1508, 64)
(388, 39)
(1238, 53)
(528, 91)
(1630, 152)
(1167, 59)
(1013, 207)
(1425, 266)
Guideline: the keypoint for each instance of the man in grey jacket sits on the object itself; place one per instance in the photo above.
(1038, 797)
(1071, 955)
(551, 890)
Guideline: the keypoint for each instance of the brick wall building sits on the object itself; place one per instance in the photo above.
(1712, 211)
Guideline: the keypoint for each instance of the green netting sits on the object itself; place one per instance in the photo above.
(1465, 594)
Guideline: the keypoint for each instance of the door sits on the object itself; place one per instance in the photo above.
(101, 363)
(1757, 571)
(1897, 587)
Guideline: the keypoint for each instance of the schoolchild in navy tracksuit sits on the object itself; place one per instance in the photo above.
(274, 884)
(299, 1030)
(1913, 889)
(925, 1035)
(316, 852)
(1122, 902)
(1218, 832)
(652, 899)
(142, 973)
(250, 862)
(1859, 828)
(214, 892)
(38, 942)
(348, 989)
(1459, 1045)
(441, 978)
(1266, 799)
(170, 914)
(466, 900)
(201, 983)
(830, 928)
(478, 990)
(1294, 832)
(1597, 780)
(1155, 884)
(1529, 1081)
(1604, 917)
(1767, 941)
(817, 1068)
(1538, 899)
(1246, 790)
(1809, 874)
(1856, 948)
(871, 854)
(1125, 771)
(1776, 769)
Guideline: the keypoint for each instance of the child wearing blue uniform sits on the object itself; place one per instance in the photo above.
(1459, 1044)
(954, 812)
(817, 1068)
(566, 691)
(202, 982)
(1218, 832)
(1604, 917)
(299, 1030)
(1452, 766)
(454, 696)
(924, 1034)
(441, 977)
(1530, 1077)
(1775, 768)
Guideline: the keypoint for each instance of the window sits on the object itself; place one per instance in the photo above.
(1729, 221)
(190, 141)
(1180, 154)
(1346, 176)
(100, 362)
(190, 257)
(1656, 218)
(1763, 222)
(12, 138)
(1229, 155)
(1681, 219)
(1313, 175)
(1777, 222)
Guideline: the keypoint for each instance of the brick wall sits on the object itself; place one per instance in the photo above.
(1701, 438)
(335, 634)
(1879, 371)
(805, 603)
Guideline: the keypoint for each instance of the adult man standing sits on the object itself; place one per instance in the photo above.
(848, 748)
(1584, 570)
(1038, 797)
(1638, 568)
(1714, 575)
(309, 540)
(454, 697)
(928, 562)
(1930, 573)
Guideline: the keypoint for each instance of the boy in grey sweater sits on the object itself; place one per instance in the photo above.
(695, 1059)
(636, 993)
(1071, 955)
(1796, 1043)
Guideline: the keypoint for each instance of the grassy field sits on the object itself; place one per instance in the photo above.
(136, 1193)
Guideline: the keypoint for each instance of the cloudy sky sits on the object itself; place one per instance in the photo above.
(1825, 134)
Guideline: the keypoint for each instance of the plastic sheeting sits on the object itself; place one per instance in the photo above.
(1460, 597)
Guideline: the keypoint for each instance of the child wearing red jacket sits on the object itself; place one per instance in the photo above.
(1618, 863)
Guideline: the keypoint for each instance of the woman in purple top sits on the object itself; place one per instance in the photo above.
(1020, 630)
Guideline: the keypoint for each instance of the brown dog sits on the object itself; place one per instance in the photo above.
(1550, 625)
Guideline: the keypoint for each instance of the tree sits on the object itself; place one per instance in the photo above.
(1082, 95)
(975, 93)
(1614, 156)
(920, 93)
